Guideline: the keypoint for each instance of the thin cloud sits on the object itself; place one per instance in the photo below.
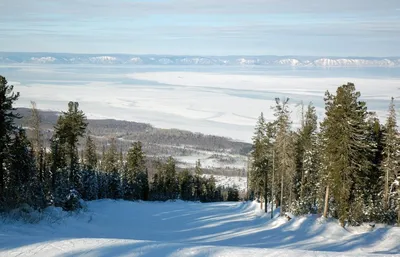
(213, 26)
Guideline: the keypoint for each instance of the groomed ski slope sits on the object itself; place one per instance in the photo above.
(122, 228)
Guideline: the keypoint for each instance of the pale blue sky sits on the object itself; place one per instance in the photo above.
(203, 27)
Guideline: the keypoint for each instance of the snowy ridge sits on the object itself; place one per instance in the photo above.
(124, 228)
(47, 59)
(114, 59)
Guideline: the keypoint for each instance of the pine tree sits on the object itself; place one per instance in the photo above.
(7, 116)
(185, 185)
(37, 140)
(259, 167)
(198, 173)
(136, 173)
(23, 185)
(165, 185)
(171, 179)
(307, 151)
(285, 154)
(90, 154)
(111, 166)
(89, 178)
(70, 126)
(346, 151)
(391, 158)
(58, 160)
(373, 189)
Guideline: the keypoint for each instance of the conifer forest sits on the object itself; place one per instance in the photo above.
(344, 165)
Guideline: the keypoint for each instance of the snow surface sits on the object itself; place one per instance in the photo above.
(230, 181)
(122, 228)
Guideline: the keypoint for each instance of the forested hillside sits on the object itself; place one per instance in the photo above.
(222, 156)
(133, 131)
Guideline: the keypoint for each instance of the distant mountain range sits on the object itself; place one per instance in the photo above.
(120, 59)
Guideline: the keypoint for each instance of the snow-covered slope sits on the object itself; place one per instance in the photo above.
(120, 228)
(114, 59)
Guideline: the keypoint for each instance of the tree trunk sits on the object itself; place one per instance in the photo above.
(398, 207)
(302, 185)
(272, 185)
(41, 164)
(266, 192)
(71, 167)
(326, 202)
(386, 192)
(1, 180)
(281, 203)
(261, 200)
(248, 179)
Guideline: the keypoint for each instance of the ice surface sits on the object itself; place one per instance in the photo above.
(225, 103)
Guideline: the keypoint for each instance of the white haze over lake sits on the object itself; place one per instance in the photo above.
(210, 100)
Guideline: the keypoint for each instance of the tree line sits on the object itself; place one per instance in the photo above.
(62, 175)
(346, 166)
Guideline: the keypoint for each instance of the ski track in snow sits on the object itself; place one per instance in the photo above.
(121, 228)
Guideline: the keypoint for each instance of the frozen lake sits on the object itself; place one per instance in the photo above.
(216, 100)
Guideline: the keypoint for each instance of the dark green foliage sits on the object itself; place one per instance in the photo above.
(307, 164)
(353, 156)
(23, 185)
(186, 185)
(285, 154)
(61, 187)
(71, 125)
(136, 185)
(165, 182)
(7, 116)
(390, 166)
(90, 154)
(90, 185)
(72, 201)
(233, 195)
(346, 150)
(112, 168)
